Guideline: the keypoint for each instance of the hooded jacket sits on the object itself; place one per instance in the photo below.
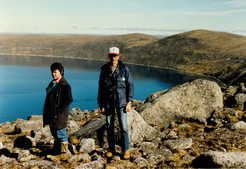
(56, 106)
(117, 88)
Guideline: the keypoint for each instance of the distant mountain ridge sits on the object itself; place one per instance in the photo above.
(218, 54)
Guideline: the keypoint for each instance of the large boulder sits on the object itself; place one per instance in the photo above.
(139, 130)
(197, 101)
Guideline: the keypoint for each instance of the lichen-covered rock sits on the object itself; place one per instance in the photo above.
(180, 143)
(94, 164)
(155, 156)
(196, 101)
(22, 126)
(215, 159)
(238, 125)
(87, 145)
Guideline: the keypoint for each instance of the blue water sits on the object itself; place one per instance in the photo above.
(22, 88)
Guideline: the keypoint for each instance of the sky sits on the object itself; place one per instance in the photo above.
(114, 17)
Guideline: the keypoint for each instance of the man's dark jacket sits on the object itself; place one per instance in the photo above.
(56, 106)
(121, 80)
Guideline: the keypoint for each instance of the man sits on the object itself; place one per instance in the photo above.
(115, 93)
(56, 107)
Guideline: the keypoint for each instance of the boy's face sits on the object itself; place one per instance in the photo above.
(56, 74)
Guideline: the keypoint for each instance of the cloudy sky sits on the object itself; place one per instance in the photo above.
(154, 17)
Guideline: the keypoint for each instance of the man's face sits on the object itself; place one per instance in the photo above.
(113, 59)
(56, 74)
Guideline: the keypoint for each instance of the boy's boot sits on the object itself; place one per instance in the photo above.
(62, 154)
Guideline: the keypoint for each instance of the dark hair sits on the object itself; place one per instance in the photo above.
(58, 66)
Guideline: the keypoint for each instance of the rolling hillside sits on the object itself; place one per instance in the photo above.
(219, 54)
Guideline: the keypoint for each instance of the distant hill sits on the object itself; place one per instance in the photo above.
(219, 54)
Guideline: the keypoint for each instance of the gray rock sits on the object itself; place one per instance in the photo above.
(76, 114)
(139, 130)
(27, 125)
(231, 90)
(145, 145)
(98, 158)
(238, 125)
(184, 126)
(42, 164)
(24, 155)
(35, 117)
(87, 145)
(4, 160)
(196, 100)
(155, 156)
(172, 135)
(180, 143)
(91, 165)
(141, 162)
(42, 136)
(7, 127)
(71, 127)
(187, 158)
(90, 127)
(116, 158)
(215, 159)
(80, 158)
(240, 100)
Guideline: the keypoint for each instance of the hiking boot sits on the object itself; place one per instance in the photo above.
(62, 155)
(126, 155)
(109, 154)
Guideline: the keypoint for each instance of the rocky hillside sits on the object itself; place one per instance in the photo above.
(194, 125)
(219, 54)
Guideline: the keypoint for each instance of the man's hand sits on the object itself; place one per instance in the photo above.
(128, 106)
(100, 110)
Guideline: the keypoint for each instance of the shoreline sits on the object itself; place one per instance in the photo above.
(222, 84)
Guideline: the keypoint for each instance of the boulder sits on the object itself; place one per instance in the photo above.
(24, 155)
(180, 143)
(154, 156)
(215, 159)
(80, 158)
(4, 160)
(40, 164)
(140, 162)
(42, 136)
(71, 127)
(94, 164)
(197, 101)
(27, 125)
(238, 125)
(87, 145)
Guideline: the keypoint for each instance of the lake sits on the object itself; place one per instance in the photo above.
(23, 83)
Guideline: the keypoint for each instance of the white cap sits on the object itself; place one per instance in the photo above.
(114, 50)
